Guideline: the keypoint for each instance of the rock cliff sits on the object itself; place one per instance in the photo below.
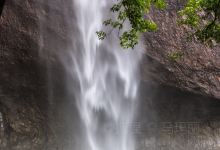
(198, 67)
(31, 81)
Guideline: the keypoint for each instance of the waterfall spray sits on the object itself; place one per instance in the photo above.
(107, 81)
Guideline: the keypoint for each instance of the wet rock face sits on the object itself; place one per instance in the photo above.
(29, 77)
(23, 86)
(170, 119)
(197, 70)
(22, 127)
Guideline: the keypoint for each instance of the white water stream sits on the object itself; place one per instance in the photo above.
(107, 78)
(102, 77)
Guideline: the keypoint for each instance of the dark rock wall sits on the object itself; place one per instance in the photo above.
(171, 119)
(2, 3)
(33, 105)
(23, 79)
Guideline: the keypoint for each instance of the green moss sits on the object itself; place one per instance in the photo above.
(174, 56)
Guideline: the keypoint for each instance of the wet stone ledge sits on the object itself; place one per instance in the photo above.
(178, 136)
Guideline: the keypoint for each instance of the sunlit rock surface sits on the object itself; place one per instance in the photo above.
(197, 70)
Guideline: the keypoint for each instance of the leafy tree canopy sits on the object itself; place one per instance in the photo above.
(203, 16)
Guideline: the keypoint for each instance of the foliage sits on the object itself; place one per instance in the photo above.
(174, 56)
(101, 35)
(204, 17)
(135, 12)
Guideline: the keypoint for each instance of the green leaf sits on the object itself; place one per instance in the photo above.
(101, 35)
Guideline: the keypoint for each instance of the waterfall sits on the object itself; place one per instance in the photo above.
(105, 80)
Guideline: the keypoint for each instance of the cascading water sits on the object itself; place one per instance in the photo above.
(107, 81)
